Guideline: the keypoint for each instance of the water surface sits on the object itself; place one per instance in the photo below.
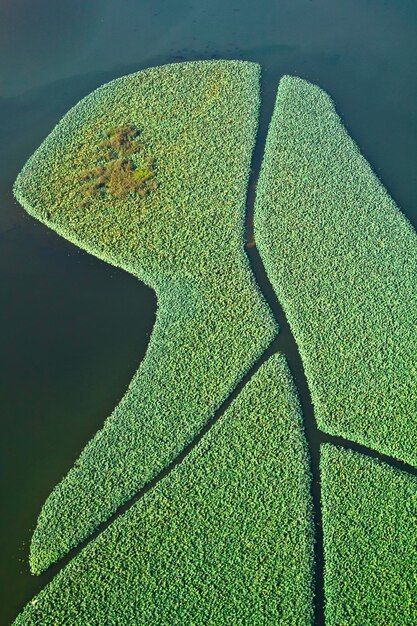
(73, 329)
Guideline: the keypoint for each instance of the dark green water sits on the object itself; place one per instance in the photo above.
(73, 330)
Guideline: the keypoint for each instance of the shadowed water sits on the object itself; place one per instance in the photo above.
(73, 329)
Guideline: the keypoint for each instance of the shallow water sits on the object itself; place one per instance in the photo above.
(73, 329)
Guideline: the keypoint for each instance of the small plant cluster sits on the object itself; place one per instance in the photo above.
(225, 538)
(370, 540)
(186, 240)
(117, 175)
(343, 262)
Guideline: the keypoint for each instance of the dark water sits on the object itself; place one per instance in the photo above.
(73, 329)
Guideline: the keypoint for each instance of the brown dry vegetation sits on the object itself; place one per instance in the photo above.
(117, 174)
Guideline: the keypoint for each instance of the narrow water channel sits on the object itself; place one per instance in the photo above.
(286, 344)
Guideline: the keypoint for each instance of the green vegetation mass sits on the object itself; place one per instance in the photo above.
(196, 125)
(225, 538)
(370, 541)
(343, 262)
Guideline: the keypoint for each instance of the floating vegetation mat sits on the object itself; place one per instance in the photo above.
(343, 262)
(225, 538)
(150, 173)
(370, 541)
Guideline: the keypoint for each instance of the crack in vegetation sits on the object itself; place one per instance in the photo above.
(374, 454)
(285, 344)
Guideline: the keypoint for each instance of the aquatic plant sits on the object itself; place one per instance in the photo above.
(185, 239)
(343, 262)
(115, 172)
(225, 538)
(227, 535)
(370, 540)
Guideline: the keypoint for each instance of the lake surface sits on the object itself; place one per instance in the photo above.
(73, 329)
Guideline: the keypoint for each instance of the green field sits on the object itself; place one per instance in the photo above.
(193, 125)
(343, 262)
(370, 541)
(225, 538)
